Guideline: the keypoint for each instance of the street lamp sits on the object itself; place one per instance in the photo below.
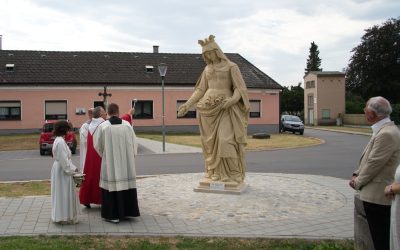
(162, 68)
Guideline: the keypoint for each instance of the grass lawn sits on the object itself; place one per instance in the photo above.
(161, 243)
(285, 140)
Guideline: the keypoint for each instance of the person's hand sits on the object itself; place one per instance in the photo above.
(182, 110)
(352, 183)
(131, 111)
(389, 192)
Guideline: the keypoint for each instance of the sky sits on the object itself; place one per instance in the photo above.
(274, 35)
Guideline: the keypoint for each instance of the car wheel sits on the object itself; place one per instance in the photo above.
(42, 152)
(301, 132)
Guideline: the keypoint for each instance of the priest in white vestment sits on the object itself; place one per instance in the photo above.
(64, 202)
(115, 141)
(83, 134)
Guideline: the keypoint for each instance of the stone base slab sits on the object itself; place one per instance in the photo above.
(219, 187)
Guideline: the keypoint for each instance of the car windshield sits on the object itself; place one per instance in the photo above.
(292, 118)
(48, 127)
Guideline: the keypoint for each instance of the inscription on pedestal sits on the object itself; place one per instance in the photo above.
(217, 186)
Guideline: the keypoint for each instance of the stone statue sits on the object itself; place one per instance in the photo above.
(221, 99)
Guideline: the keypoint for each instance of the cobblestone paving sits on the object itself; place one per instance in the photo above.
(274, 205)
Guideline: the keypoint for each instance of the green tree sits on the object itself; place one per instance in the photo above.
(313, 61)
(292, 100)
(374, 68)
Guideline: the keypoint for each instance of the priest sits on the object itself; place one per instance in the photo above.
(116, 143)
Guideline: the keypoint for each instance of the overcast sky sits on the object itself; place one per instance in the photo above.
(274, 35)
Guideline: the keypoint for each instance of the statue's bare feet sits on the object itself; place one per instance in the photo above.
(208, 174)
(225, 179)
(215, 177)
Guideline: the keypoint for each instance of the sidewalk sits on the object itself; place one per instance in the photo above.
(274, 205)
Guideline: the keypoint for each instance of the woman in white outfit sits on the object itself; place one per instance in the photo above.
(393, 191)
(64, 203)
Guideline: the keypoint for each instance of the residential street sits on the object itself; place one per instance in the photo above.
(337, 157)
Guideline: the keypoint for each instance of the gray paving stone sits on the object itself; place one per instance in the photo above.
(269, 208)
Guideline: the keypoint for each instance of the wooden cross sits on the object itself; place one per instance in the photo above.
(104, 94)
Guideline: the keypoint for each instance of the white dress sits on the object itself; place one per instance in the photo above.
(395, 217)
(64, 203)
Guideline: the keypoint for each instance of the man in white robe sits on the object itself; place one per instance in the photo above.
(115, 141)
(83, 134)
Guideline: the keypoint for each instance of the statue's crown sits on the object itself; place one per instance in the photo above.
(207, 41)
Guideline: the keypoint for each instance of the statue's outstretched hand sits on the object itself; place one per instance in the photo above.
(182, 110)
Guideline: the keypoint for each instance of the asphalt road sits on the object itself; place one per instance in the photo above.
(337, 157)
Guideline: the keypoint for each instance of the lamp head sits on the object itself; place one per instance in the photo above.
(162, 68)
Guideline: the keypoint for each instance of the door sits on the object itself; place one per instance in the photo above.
(311, 117)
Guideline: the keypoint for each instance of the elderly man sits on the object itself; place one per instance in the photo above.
(376, 169)
(90, 192)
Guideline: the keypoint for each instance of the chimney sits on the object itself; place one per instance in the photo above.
(155, 49)
(1, 37)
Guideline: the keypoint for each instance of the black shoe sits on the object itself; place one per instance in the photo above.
(87, 205)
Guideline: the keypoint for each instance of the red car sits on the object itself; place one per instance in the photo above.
(47, 138)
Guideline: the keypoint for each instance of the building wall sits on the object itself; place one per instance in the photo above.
(331, 95)
(33, 105)
(328, 94)
(310, 107)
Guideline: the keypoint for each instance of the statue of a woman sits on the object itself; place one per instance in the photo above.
(221, 99)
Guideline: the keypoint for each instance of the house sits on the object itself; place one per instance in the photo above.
(324, 97)
(48, 85)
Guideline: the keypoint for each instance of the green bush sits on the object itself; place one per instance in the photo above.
(395, 116)
(355, 107)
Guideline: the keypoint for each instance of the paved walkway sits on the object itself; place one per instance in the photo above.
(274, 205)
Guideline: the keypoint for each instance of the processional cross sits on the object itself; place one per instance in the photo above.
(104, 94)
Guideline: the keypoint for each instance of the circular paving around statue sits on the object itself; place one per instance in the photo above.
(268, 197)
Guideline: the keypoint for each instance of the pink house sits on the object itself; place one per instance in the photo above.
(45, 85)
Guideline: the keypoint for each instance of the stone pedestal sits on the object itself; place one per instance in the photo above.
(209, 186)
(362, 236)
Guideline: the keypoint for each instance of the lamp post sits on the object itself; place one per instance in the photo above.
(162, 68)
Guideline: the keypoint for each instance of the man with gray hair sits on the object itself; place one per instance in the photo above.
(376, 169)
(90, 192)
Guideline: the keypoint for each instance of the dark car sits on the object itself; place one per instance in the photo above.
(47, 138)
(292, 124)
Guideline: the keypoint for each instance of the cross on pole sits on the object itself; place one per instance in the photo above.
(104, 94)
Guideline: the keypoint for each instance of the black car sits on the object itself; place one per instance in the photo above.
(292, 124)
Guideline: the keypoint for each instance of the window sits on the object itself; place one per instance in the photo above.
(326, 114)
(10, 110)
(310, 100)
(9, 67)
(149, 69)
(310, 84)
(190, 114)
(55, 110)
(143, 110)
(98, 103)
(255, 108)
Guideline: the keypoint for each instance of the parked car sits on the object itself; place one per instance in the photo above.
(47, 138)
(292, 123)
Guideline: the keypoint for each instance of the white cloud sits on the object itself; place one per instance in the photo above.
(273, 35)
